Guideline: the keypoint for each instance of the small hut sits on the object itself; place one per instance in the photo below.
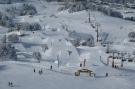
(87, 71)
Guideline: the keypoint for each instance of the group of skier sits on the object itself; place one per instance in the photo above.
(41, 71)
(10, 84)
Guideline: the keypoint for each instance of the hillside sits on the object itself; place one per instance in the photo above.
(44, 46)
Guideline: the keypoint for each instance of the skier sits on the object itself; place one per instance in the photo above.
(115, 66)
(34, 70)
(40, 72)
(10, 84)
(106, 74)
(80, 64)
(51, 67)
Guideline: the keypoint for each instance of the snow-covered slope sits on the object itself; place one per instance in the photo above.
(63, 56)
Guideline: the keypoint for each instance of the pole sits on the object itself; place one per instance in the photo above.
(113, 63)
(5, 38)
(113, 55)
(89, 17)
(121, 63)
(97, 30)
(58, 61)
(84, 64)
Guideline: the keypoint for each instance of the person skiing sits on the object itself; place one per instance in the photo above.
(10, 84)
(34, 70)
(51, 67)
(40, 71)
(106, 74)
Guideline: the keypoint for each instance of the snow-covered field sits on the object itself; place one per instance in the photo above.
(53, 34)
(23, 77)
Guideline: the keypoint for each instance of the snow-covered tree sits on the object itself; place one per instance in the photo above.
(28, 26)
(7, 52)
(45, 47)
(5, 1)
(10, 1)
(37, 56)
(82, 39)
(28, 9)
(13, 38)
(104, 37)
(6, 20)
(131, 36)
(21, 10)
(4, 39)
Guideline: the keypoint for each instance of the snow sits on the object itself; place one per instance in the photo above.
(23, 76)
(19, 33)
(62, 76)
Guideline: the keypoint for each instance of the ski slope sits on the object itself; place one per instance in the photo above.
(62, 77)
